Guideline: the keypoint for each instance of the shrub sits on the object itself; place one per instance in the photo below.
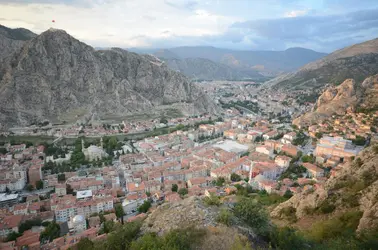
(174, 188)
(341, 226)
(144, 207)
(326, 208)
(183, 191)
(212, 200)
(235, 177)
(253, 214)
(224, 217)
(289, 213)
(287, 238)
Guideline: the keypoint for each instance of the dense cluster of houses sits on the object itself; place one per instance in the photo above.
(257, 153)
(348, 126)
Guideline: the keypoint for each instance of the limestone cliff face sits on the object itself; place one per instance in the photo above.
(56, 77)
(354, 188)
(337, 99)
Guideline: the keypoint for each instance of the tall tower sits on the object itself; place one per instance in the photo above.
(102, 143)
(82, 145)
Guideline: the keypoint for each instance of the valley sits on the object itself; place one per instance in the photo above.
(191, 147)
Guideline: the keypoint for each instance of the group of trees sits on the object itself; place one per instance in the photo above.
(51, 232)
(128, 236)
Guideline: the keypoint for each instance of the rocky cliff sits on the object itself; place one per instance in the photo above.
(56, 77)
(355, 188)
(337, 99)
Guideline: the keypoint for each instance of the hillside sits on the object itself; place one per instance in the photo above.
(11, 40)
(350, 94)
(357, 62)
(250, 63)
(205, 69)
(56, 77)
(353, 190)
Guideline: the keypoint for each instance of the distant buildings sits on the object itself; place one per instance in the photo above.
(336, 146)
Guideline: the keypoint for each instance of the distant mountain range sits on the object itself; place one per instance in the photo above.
(211, 63)
(53, 76)
(356, 62)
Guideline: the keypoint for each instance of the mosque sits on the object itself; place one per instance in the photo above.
(93, 152)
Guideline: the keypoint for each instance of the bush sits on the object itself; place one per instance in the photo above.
(144, 207)
(253, 214)
(326, 208)
(183, 191)
(235, 177)
(184, 239)
(224, 217)
(289, 213)
(174, 188)
(287, 238)
(213, 200)
(341, 226)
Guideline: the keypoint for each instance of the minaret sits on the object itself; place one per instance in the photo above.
(102, 143)
(82, 145)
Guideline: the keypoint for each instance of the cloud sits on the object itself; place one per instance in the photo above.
(302, 29)
(244, 24)
(295, 13)
(181, 4)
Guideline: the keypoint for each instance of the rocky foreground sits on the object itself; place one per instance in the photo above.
(350, 94)
(355, 188)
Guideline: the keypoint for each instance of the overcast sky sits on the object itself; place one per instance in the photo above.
(322, 25)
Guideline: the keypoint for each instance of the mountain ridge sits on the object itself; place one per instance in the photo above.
(55, 75)
(357, 62)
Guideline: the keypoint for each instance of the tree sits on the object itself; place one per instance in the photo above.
(29, 187)
(308, 158)
(3, 151)
(253, 214)
(360, 141)
(39, 184)
(174, 188)
(318, 135)
(50, 233)
(235, 177)
(288, 194)
(287, 238)
(212, 200)
(183, 191)
(224, 217)
(61, 177)
(7, 190)
(123, 235)
(220, 181)
(85, 244)
(108, 226)
(119, 212)
(12, 236)
(144, 207)
(28, 225)
(69, 189)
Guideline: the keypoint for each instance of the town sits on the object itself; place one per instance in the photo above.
(55, 194)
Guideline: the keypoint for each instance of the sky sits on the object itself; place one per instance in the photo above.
(321, 25)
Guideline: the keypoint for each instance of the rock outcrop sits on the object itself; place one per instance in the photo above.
(188, 212)
(337, 99)
(56, 77)
(354, 188)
